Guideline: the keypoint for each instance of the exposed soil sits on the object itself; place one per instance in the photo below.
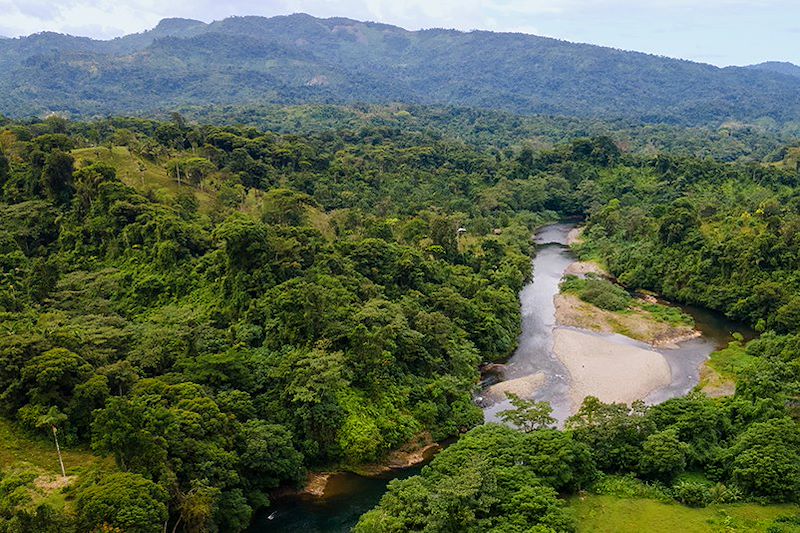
(637, 323)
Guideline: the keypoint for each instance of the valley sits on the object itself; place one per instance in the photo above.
(303, 274)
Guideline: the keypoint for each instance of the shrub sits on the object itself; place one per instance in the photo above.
(721, 493)
(691, 493)
(598, 292)
(628, 486)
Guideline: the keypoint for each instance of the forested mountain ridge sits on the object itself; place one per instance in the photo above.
(299, 58)
(781, 67)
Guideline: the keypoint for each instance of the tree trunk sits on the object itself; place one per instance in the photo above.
(58, 449)
(175, 527)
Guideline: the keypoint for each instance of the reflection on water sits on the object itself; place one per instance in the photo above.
(347, 497)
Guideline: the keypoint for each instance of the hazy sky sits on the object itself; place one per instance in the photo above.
(721, 32)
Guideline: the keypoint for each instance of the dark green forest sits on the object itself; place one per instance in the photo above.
(300, 59)
(498, 131)
(217, 310)
(721, 236)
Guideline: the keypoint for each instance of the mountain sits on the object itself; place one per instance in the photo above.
(171, 27)
(301, 59)
(781, 67)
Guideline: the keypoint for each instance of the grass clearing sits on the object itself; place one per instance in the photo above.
(139, 173)
(34, 460)
(18, 448)
(610, 514)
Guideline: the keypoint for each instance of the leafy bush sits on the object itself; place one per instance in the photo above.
(598, 291)
(668, 314)
(691, 493)
(628, 486)
(721, 493)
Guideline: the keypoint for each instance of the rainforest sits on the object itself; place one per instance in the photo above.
(199, 316)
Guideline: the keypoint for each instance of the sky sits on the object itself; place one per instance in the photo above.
(721, 32)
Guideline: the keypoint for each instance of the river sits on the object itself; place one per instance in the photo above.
(348, 496)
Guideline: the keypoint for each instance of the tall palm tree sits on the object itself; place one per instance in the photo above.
(53, 417)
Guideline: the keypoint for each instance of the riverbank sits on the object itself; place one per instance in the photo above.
(326, 483)
(631, 349)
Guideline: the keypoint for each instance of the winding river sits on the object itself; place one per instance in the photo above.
(347, 496)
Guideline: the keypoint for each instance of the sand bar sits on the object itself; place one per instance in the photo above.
(524, 387)
(611, 371)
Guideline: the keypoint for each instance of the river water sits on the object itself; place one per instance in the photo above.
(534, 351)
(348, 496)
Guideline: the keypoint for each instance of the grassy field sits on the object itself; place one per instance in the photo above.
(610, 514)
(138, 172)
(35, 460)
(17, 449)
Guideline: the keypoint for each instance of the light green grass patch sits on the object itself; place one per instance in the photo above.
(18, 448)
(731, 361)
(138, 172)
(610, 514)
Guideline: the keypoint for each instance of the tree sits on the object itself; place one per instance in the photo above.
(285, 206)
(196, 508)
(267, 455)
(119, 429)
(51, 378)
(51, 420)
(57, 177)
(443, 233)
(192, 170)
(5, 170)
(487, 481)
(787, 317)
(765, 460)
(663, 455)
(614, 432)
(676, 225)
(528, 415)
(123, 500)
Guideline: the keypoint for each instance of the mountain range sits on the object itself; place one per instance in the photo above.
(300, 59)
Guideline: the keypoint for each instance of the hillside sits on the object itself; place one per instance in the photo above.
(301, 59)
(218, 310)
(781, 67)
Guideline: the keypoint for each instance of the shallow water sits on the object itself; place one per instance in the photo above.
(686, 360)
(534, 351)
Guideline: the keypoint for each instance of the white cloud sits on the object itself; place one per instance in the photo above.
(740, 30)
(105, 18)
